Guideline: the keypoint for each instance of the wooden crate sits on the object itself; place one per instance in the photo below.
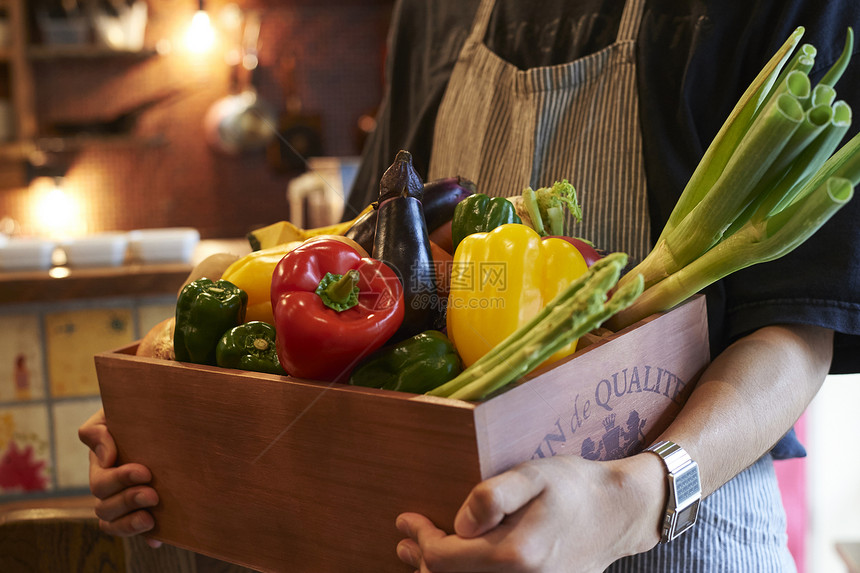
(281, 474)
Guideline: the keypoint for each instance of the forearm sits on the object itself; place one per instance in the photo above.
(744, 402)
(749, 397)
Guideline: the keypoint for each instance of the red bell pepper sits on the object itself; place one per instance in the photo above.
(588, 251)
(332, 309)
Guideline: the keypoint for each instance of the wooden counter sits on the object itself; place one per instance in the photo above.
(61, 283)
(132, 280)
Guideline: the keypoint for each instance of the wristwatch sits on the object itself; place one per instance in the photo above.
(685, 489)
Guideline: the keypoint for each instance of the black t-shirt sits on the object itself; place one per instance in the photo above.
(695, 59)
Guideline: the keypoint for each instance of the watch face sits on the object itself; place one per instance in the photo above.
(686, 517)
(686, 484)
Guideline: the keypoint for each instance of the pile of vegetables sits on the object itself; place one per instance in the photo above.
(437, 288)
(396, 315)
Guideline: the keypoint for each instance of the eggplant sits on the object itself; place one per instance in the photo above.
(439, 199)
(364, 229)
(403, 243)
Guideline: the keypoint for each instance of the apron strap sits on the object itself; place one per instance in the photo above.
(482, 20)
(628, 30)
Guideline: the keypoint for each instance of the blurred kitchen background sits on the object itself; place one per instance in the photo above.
(159, 114)
(136, 137)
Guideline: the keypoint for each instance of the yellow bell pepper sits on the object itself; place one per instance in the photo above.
(500, 280)
(253, 274)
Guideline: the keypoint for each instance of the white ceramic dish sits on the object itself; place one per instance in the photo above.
(168, 245)
(100, 250)
(26, 254)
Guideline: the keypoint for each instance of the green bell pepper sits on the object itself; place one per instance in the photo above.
(249, 346)
(479, 213)
(417, 364)
(205, 310)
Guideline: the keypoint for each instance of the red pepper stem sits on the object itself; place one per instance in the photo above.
(339, 292)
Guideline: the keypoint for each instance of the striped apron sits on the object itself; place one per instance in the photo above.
(506, 128)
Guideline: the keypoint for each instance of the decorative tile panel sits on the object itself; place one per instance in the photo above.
(74, 337)
(21, 372)
(25, 450)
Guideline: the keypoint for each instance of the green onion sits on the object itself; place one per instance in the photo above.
(723, 146)
(806, 163)
(706, 222)
(796, 84)
(753, 243)
(823, 95)
(808, 146)
(835, 72)
(770, 179)
(802, 62)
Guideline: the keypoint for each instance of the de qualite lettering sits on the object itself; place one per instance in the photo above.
(608, 395)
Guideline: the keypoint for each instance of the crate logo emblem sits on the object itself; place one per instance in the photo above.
(597, 426)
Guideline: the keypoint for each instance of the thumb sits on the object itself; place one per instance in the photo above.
(95, 435)
(491, 500)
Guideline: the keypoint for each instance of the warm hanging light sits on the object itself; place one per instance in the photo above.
(200, 36)
(57, 213)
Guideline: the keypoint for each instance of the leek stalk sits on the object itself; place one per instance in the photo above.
(755, 242)
(764, 202)
(732, 131)
(814, 155)
(802, 62)
(816, 139)
(835, 72)
(706, 222)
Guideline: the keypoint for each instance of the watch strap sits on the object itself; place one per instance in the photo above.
(674, 456)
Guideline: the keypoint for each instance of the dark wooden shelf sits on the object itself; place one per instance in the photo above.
(62, 144)
(22, 150)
